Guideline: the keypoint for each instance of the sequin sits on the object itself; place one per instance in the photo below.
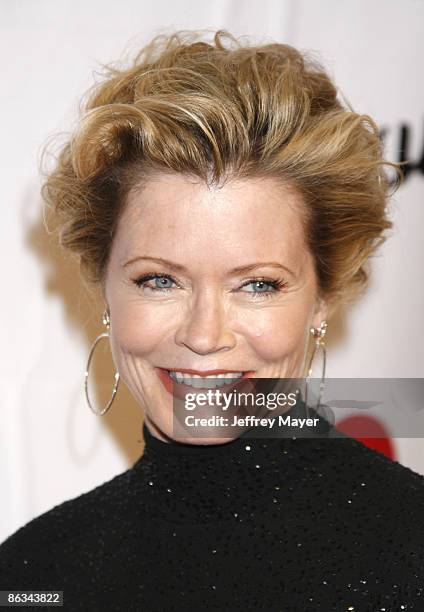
(246, 527)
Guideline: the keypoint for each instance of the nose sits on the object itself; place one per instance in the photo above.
(205, 327)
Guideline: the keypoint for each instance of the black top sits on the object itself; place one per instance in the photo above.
(284, 524)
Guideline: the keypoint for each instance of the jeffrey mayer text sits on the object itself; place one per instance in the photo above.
(287, 420)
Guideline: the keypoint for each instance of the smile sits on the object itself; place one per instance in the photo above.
(184, 379)
(213, 381)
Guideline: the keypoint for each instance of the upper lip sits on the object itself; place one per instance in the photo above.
(204, 372)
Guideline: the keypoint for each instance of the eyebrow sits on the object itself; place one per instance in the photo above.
(180, 268)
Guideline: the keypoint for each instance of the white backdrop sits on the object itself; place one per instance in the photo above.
(52, 447)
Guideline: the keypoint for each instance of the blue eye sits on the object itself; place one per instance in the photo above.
(276, 286)
(141, 282)
(261, 283)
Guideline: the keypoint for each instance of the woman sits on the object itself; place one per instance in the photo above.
(225, 203)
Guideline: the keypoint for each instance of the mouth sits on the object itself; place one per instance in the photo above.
(192, 382)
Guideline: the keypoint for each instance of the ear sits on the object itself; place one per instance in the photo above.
(322, 311)
(103, 296)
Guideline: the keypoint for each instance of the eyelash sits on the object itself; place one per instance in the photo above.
(278, 284)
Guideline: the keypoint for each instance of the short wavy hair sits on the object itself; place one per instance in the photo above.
(220, 110)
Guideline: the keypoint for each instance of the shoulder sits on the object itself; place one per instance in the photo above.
(376, 465)
(375, 494)
(370, 508)
(31, 556)
(350, 461)
(361, 484)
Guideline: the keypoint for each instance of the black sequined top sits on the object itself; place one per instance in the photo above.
(284, 524)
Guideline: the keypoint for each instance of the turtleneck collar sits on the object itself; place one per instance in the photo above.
(234, 447)
(192, 483)
(177, 448)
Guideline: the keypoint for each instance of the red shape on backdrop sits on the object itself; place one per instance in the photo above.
(377, 438)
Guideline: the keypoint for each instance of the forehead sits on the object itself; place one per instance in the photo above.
(175, 212)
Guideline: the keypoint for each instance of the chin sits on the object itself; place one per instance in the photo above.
(166, 433)
(203, 441)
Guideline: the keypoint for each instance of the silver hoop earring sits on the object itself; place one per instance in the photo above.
(106, 322)
(318, 333)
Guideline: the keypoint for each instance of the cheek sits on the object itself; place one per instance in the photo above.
(277, 333)
(137, 330)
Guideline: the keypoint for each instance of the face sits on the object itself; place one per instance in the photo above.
(208, 279)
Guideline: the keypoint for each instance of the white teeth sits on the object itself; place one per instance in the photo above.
(204, 382)
(226, 375)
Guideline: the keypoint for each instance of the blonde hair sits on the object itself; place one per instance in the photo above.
(220, 111)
